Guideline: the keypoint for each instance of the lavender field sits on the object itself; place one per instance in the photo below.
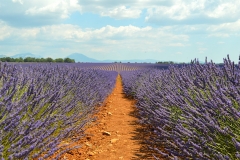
(41, 105)
(192, 111)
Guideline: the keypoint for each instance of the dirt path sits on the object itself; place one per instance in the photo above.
(115, 135)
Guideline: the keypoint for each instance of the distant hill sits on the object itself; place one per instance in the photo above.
(78, 57)
(1, 56)
(24, 55)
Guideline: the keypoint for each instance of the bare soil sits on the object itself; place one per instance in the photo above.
(116, 134)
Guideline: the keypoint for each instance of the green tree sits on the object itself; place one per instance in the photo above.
(38, 60)
(29, 59)
(59, 60)
(42, 60)
(49, 59)
(8, 59)
(20, 59)
(33, 59)
(69, 60)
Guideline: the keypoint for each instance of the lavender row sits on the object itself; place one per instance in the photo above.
(42, 105)
(193, 111)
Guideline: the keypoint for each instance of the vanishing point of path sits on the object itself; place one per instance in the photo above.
(115, 135)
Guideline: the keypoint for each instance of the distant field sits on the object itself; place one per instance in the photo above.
(101, 66)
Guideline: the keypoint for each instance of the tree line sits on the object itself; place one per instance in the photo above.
(32, 59)
(165, 62)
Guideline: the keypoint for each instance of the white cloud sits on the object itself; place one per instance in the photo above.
(32, 13)
(68, 38)
(227, 9)
(62, 8)
(195, 12)
(4, 31)
(180, 10)
(15, 33)
(176, 12)
(120, 9)
(224, 30)
(232, 27)
(108, 33)
(122, 12)
(161, 12)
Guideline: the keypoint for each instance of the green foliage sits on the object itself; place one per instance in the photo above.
(68, 60)
(49, 59)
(33, 59)
(59, 60)
(165, 62)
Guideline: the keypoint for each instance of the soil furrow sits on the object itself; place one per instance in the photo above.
(115, 134)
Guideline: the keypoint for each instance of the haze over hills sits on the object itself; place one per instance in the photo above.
(82, 58)
(78, 57)
(25, 55)
(1, 56)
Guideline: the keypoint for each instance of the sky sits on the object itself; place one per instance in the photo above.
(164, 30)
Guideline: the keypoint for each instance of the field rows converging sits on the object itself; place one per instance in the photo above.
(120, 111)
(117, 67)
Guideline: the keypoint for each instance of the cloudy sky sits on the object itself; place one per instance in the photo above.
(177, 30)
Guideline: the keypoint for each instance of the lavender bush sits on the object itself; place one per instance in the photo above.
(194, 111)
(42, 105)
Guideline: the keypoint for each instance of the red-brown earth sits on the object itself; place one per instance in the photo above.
(116, 134)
